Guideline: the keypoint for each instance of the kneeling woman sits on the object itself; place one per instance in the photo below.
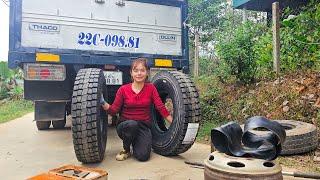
(135, 100)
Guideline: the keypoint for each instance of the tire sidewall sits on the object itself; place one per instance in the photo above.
(101, 115)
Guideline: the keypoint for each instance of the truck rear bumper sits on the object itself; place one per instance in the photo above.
(71, 57)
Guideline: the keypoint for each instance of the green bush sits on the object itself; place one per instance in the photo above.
(3, 92)
(8, 85)
(245, 50)
(209, 97)
(206, 66)
(263, 53)
(16, 93)
(300, 44)
(235, 48)
(299, 40)
(5, 72)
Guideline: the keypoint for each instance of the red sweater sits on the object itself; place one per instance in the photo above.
(137, 106)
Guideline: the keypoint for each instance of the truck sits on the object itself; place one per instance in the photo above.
(73, 52)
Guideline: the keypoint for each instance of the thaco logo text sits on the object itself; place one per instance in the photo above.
(44, 27)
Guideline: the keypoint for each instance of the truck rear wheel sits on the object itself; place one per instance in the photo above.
(59, 124)
(176, 88)
(89, 120)
(43, 125)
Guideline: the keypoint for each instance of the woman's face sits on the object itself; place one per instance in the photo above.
(139, 73)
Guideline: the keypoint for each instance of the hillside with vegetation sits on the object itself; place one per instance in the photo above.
(237, 80)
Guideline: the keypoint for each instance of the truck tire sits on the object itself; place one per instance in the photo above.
(43, 125)
(89, 123)
(59, 124)
(170, 141)
(301, 137)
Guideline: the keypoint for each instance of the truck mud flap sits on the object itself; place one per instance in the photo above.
(45, 112)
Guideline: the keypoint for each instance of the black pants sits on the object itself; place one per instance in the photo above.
(137, 134)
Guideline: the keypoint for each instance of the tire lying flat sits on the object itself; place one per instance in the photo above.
(89, 123)
(301, 137)
(180, 136)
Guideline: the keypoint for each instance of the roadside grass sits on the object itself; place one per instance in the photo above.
(14, 108)
(302, 162)
(204, 131)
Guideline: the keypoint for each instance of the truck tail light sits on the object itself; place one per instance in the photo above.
(44, 72)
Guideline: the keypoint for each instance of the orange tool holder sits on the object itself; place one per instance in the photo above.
(71, 172)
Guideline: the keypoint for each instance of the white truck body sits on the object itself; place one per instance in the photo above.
(92, 26)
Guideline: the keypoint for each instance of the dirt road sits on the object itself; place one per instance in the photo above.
(25, 152)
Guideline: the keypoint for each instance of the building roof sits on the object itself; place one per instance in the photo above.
(266, 5)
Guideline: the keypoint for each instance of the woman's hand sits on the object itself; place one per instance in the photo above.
(104, 104)
(169, 119)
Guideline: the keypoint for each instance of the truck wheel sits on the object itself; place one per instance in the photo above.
(43, 125)
(89, 120)
(177, 89)
(221, 166)
(59, 124)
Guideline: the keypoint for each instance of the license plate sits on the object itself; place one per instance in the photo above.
(113, 77)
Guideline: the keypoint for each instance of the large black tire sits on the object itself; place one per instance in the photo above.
(169, 141)
(43, 125)
(301, 137)
(89, 120)
(59, 124)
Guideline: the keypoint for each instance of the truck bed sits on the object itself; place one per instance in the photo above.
(100, 27)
